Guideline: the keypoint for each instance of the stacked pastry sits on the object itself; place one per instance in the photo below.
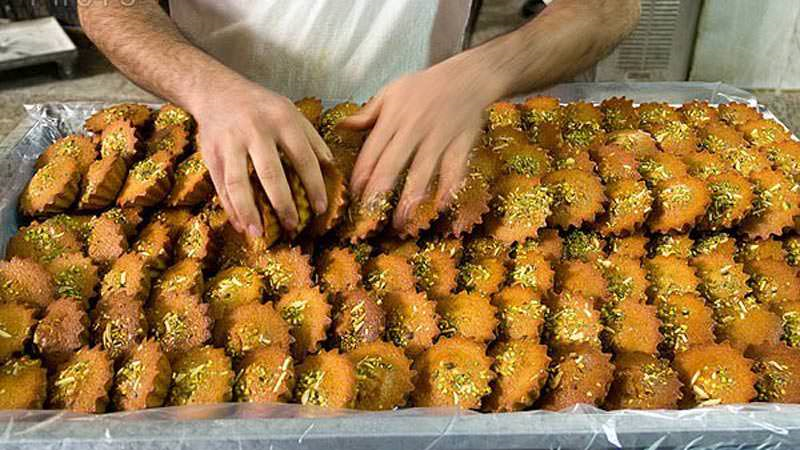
(615, 255)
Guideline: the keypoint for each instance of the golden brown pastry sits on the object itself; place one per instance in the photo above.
(435, 268)
(714, 374)
(775, 205)
(53, 188)
(102, 183)
(655, 167)
(521, 366)
(383, 376)
(16, 327)
(311, 108)
(637, 142)
(685, 322)
(184, 277)
(615, 163)
(653, 114)
(731, 200)
(118, 325)
(680, 245)
(676, 138)
(83, 382)
(542, 118)
(336, 191)
(231, 288)
(107, 241)
(308, 314)
(249, 327)
(520, 208)
(265, 374)
(572, 321)
(670, 275)
(735, 114)
(584, 278)
(764, 132)
(23, 382)
(26, 282)
(585, 246)
(467, 315)
(171, 115)
(339, 270)
(631, 327)
(679, 203)
(333, 134)
(698, 113)
(137, 115)
(192, 183)
(143, 380)
(63, 330)
(201, 376)
(530, 268)
(119, 139)
(180, 323)
(483, 276)
(520, 311)
(411, 321)
(577, 197)
(389, 272)
(582, 375)
(357, 320)
(79, 148)
(148, 183)
(326, 379)
(643, 381)
(619, 114)
(128, 277)
(154, 246)
(776, 367)
(171, 140)
(454, 372)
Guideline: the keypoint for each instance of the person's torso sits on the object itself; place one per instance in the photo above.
(334, 49)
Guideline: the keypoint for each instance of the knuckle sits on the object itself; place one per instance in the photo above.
(236, 182)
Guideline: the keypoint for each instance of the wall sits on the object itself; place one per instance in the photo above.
(752, 44)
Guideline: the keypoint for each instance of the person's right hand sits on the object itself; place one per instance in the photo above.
(245, 119)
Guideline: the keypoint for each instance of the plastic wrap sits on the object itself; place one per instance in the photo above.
(277, 426)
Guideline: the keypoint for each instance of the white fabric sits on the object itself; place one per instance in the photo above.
(335, 49)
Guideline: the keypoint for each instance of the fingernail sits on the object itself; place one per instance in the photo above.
(328, 155)
(254, 231)
(320, 207)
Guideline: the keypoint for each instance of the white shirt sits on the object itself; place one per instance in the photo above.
(333, 49)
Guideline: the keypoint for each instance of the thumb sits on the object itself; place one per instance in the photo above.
(365, 117)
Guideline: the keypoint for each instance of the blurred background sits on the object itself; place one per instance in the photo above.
(751, 44)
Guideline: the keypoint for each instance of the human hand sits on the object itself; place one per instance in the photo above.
(262, 125)
(427, 121)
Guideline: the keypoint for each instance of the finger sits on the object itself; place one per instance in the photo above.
(392, 162)
(270, 173)
(419, 178)
(452, 177)
(305, 163)
(214, 166)
(370, 153)
(240, 191)
(365, 117)
(317, 143)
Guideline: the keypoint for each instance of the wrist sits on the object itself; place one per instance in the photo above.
(484, 79)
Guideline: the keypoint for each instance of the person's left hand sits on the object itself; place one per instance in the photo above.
(428, 122)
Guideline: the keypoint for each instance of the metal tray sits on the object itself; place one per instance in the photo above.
(274, 426)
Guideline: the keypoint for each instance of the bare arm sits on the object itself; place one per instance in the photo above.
(236, 118)
(435, 115)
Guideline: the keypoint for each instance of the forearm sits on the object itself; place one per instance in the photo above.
(146, 46)
(569, 36)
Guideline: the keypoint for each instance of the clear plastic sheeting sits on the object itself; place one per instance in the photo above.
(274, 426)
(278, 426)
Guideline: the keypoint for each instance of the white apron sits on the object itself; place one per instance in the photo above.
(333, 49)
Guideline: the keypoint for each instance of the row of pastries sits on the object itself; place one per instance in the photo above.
(623, 256)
